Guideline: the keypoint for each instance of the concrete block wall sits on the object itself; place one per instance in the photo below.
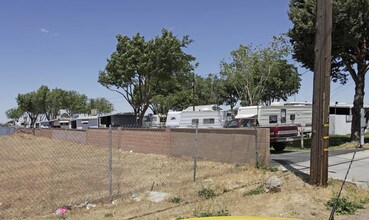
(263, 146)
(75, 136)
(155, 141)
(221, 145)
(246, 145)
(47, 133)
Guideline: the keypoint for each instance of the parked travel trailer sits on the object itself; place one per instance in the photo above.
(63, 123)
(208, 116)
(173, 119)
(85, 122)
(154, 121)
(340, 118)
(299, 114)
(206, 119)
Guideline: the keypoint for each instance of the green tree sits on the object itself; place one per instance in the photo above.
(261, 75)
(30, 104)
(41, 96)
(54, 103)
(228, 92)
(14, 113)
(102, 105)
(74, 103)
(207, 90)
(139, 70)
(350, 48)
(176, 101)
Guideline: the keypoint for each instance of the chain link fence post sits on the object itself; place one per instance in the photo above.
(196, 146)
(110, 162)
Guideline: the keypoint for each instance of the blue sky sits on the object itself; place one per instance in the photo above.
(64, 44)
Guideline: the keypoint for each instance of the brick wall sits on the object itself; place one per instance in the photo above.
(246, 145)
(47, 133)
(154, 141)
(75, 136)
(222, 145)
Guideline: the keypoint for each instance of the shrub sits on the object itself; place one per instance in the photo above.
(344, 205)
(176, 199)
(206, 193)
(261, 166)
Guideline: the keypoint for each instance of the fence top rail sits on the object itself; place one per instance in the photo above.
(216, 130)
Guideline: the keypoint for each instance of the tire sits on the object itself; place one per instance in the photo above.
(279, 147)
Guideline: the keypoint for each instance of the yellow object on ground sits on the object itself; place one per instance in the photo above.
(241, 218)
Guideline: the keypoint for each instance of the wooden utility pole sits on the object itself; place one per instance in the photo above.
(321, 93)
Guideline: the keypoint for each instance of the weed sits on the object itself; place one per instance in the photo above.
(261, 166)
(107, 215)
(222, 212)
(237, 165)
(273, 169)
(258, 190)
(344, 205)
(176, 199)
(206, 193)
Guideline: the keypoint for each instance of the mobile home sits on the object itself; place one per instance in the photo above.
(207, 116)
(127, 119)
(340, 118)
(85, 122)
(206, 119)
(173, 119)
(299, 114)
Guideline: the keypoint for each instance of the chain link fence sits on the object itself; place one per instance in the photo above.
(44, 169)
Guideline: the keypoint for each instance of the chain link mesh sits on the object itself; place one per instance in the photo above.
(44, 169)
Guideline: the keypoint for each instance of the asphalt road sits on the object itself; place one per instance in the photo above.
(338, 164)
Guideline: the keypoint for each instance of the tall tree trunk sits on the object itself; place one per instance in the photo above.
(358, 101)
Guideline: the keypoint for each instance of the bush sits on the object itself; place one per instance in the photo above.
(344, 205)
(206, 193)
(261, 166)
(176, 199)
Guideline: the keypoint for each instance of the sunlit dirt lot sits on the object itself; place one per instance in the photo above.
(39, 175)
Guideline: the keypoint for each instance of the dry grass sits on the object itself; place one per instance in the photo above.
(39, 175)
(297, 199)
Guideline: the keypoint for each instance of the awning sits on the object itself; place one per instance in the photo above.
(244, 116)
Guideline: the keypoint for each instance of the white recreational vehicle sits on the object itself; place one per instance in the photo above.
(173, 119)
(208, 116)
(299, 114)
(340, 118)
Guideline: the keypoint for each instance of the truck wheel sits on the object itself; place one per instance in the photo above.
(279, 147)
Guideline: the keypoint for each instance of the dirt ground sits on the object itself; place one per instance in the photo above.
(38, 175)
(297, 199)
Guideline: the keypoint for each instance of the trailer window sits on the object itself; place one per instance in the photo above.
(292, 117)
(283, 115)
(208, 121)
(339, 110)
(195, 121)
(273, 118)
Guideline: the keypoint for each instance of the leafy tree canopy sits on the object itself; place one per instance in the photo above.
(139, 70)
(102, 105)
(48, 103)
(350, 37)
(14, 113)
(260, 74)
